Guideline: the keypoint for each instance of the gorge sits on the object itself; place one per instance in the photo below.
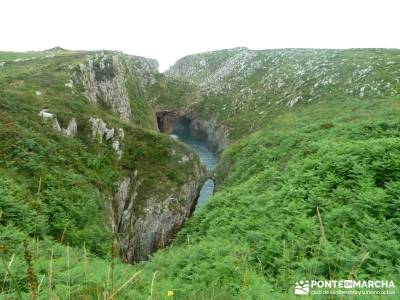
(103, 160)
(179, 126)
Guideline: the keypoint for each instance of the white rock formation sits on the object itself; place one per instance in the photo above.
(121, 133)
(100, 131)
(184, 159)
(70, 131)
(70, 84)
(56, 125)
(45, 114)
(110, 88)
(116, 147)
(72, 128)
(104, 76)
(109, 134)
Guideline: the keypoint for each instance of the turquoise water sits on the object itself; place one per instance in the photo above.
(207, 155)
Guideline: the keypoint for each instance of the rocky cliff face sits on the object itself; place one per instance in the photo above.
(143, 221)
(216, 135)
(106, 83)
(143, 226)
(143, 218)
(244, 89)
(89, 127)
(208, 129)
(106, 77)
(166, 119)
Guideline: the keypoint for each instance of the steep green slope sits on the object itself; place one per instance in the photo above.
(313, 196)
(173, 94)
(261, 232)
(280, 178)
(308, 188)
(244, 89)
(81, 161)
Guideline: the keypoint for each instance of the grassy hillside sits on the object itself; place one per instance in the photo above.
(244, 89)
(55, 189)
(314, 195)
(172, 93)
(309, 189)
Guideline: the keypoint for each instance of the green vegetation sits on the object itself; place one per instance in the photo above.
(54, 190)
(171, 93)
(307, 190)
(244, 89)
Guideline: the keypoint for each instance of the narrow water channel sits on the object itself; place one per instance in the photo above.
(207, 155)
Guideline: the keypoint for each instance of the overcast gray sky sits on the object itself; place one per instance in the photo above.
(169, 29)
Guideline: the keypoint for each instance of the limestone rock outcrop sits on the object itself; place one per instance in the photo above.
(216, 135)
(70, 131)
(45, 114)
(144, 225)
(102, 132)
(104, 77)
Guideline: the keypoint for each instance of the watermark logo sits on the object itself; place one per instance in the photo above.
(302, 288)
(345, 287)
